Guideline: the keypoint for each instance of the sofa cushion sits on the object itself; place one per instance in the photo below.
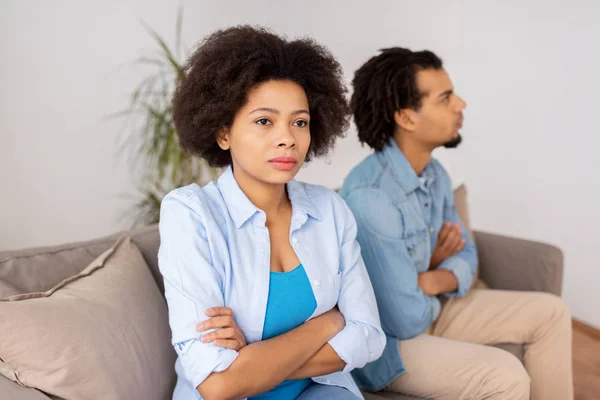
(12, 391)
(39, 269)
(462, 208)
(100, 334)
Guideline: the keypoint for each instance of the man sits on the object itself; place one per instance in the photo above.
(422, 262)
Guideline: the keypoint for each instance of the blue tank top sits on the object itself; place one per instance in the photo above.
(290, 303)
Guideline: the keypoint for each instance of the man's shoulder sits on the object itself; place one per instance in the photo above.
(321, 197)
(369, 176)
(363, 174)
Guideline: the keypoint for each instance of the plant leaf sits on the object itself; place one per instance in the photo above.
(166, 51)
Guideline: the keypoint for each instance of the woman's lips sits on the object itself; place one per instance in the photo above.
(283, 163)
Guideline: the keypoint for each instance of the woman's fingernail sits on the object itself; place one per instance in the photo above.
(205, 338)
(200, 327)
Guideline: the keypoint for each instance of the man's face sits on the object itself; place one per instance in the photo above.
(438, 121)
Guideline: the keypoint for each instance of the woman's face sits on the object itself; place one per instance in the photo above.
(270, 134)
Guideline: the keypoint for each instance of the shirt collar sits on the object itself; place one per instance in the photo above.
(302, 204)
(242, 209)
(428, 175)
(406, 176)
(238, 204)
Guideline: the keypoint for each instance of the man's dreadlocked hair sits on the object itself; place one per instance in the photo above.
(383, 85)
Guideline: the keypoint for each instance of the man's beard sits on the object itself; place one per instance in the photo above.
(454, 142)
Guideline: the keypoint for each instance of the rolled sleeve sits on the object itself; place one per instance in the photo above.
(463, 264)
(463, 273)
(213, 360)
(192, 285)
(355, 347)
(362, 340)
(435, 306)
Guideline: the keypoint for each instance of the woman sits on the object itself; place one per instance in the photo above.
(268, 294)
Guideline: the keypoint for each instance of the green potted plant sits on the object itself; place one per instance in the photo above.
(151, 137)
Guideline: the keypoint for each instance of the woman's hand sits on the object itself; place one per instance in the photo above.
(227, 333)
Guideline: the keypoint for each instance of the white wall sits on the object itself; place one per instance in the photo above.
(61, 181)
(530, 76)
(529, 139)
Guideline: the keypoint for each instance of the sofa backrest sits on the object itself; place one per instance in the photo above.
(39, 269)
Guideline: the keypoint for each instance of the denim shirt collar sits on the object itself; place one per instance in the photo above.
(406, 176)
(242, 209)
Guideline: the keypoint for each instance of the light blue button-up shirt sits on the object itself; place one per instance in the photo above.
(215, 251)
(399, 217)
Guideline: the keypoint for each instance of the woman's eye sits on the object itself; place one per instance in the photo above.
(263, 121)
(301, 123)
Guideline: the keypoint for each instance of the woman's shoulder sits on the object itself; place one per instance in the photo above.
(319, 193)
(191, 195)
(324, 199)
(201, 201)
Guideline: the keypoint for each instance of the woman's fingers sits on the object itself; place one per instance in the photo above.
(218, 311)
(214, 323)
(226, 333)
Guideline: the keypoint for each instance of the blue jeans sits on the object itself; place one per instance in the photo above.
(317, 391)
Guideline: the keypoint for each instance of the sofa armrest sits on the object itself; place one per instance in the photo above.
(515, 264)
(12, 391)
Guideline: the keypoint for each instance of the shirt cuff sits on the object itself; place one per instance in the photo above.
(462, 271)
(199, 360)
(352, 346)
(435, 305)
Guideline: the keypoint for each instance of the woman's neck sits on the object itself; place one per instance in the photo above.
(271, 198)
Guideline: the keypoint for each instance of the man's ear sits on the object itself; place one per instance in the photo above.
(406, 119)
(223, 139)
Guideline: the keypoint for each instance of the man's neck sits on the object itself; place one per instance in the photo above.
(417, 155)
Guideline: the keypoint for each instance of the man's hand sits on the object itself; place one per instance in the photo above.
(228, 334)
(437, 282)
(448, 244)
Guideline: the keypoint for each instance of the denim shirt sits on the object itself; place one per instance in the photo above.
(399, 217)
(215, 251)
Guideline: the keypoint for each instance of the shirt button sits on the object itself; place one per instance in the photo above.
(295, 239)
(317, 283)
(431, 230)
(426, 204)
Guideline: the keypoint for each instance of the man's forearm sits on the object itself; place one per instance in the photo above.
(261, 366)
(325, 361)
(436, 282)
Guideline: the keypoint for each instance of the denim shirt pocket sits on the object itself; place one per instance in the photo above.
(416, 244)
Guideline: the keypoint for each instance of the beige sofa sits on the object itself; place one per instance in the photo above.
(505, 263)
